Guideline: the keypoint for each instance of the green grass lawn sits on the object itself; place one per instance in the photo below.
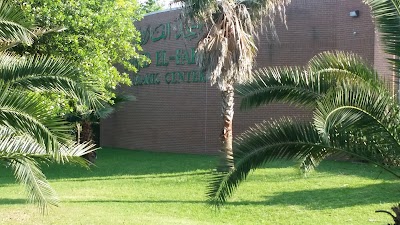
(136, 187)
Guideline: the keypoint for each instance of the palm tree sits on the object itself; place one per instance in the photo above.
(29, 132)
(226, 52)
(87, 122)
(354, 112)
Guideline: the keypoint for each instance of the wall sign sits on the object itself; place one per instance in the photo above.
(181, 56)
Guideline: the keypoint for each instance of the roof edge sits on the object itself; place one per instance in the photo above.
(162, 11)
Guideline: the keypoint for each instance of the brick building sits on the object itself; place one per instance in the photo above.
(178, 111)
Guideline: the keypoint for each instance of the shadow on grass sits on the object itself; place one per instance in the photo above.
(316, 199)
(139, 201)
(356, 169)
(12, 201)
(329, 168)
(139, 177)
(332, 198)
(321, 199)
(111, 162)
(120, 162)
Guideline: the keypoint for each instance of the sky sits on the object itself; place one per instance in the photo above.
(164, 3)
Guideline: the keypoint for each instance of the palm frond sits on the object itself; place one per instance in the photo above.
(264, 12)
(309, 162)
(283, 139)
(47, 74)
(368, 117)
(28, 173)
(289, 140)
(29, 132)
(28, 114)
(344, 65)
(16, 67)
(72, 153)
(14, 145)
(292, 85)
(14, 26)
(387, 16)
(364, 146)
(36, 33)
(227, 51)
(117, 102)
(198, 10)
(357, 106)
(23, 155)
(304, 86)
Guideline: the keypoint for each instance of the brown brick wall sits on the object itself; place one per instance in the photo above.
(185, 117)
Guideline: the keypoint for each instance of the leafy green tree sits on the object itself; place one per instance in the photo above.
(227, 52)
(29, 132)
(354, 113)
(98, 36)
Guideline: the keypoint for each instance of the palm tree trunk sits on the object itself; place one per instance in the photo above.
(86, 132)
(78, 132)
(226, 135)
(87, 136)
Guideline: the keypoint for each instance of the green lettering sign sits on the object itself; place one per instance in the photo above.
(168, 78)
(162, 31)
(148, 79)
(161, 58)
(145, 35)
(184, 56)
(189, 32)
